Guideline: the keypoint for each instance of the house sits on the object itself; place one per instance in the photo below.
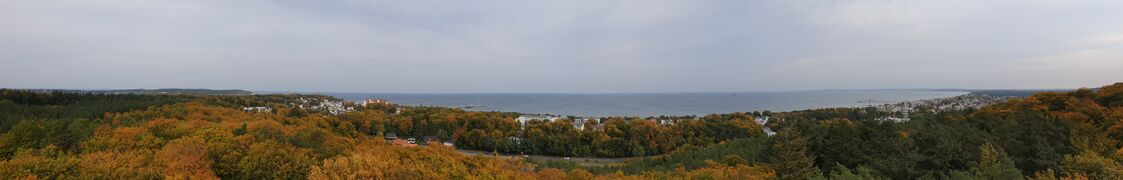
(579, 123)
(375, 102)
(666, 122)
(391, 136)
(661, 121)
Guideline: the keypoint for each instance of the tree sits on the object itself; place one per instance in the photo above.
(273, 160)
(551, 174)
(790, 158)
(1093, 165)
(861, 173)
(733, 160)
(994, 164)
(186, 158)
(136, 164)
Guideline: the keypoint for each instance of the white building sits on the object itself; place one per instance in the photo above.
(258, 109)
(761, 120)
(524, 119)
(764, 120)
(579, 123)
(768, 131)
(667, 122)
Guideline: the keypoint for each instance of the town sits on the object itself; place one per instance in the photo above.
(956, 103)
(899, 112)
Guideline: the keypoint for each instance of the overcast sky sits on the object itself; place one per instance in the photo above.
(559, 46)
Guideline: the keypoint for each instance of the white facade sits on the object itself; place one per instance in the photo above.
(524, 119)
(258, 109)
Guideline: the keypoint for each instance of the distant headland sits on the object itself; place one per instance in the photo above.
(171, 91)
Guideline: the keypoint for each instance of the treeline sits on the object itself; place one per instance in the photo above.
(732, 153)
(205, 137)
(32, 120)
(498, 132)
(1045, 136)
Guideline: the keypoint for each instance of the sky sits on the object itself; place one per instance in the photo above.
(570, 46)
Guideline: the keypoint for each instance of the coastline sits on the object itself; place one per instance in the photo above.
(661, 104)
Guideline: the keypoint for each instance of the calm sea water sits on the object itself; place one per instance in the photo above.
(651, 104)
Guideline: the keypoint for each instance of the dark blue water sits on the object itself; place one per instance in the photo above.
(650, 104)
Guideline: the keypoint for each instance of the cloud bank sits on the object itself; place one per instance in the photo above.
(559, 46)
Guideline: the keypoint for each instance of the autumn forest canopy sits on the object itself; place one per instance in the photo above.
(71, 135)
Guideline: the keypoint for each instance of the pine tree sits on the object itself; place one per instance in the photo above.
(994, 164)
(790, 158)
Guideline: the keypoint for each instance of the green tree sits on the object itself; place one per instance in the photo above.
(860, 173)
(790, 158)
(994, 164)
(1093, 165)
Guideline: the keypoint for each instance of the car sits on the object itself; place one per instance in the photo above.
(412, 140)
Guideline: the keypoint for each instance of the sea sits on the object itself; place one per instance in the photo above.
(653, 104)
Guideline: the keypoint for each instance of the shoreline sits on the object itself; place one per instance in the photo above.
(655, 105)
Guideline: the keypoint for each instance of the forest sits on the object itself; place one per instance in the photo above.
(66, 135)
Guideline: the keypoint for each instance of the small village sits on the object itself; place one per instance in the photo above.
(956, 103)
(333, 107)
(900, 111)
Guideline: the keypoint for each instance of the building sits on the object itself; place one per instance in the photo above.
(667, 122)
(258, 109)
(524, 119)
(768, 131)
(761, 120)
(375, 102)
(579, 123)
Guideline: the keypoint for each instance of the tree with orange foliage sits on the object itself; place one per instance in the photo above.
(186, 158)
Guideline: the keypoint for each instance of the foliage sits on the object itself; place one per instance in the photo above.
(993, 164)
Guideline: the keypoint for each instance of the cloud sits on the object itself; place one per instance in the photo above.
(555, 46)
